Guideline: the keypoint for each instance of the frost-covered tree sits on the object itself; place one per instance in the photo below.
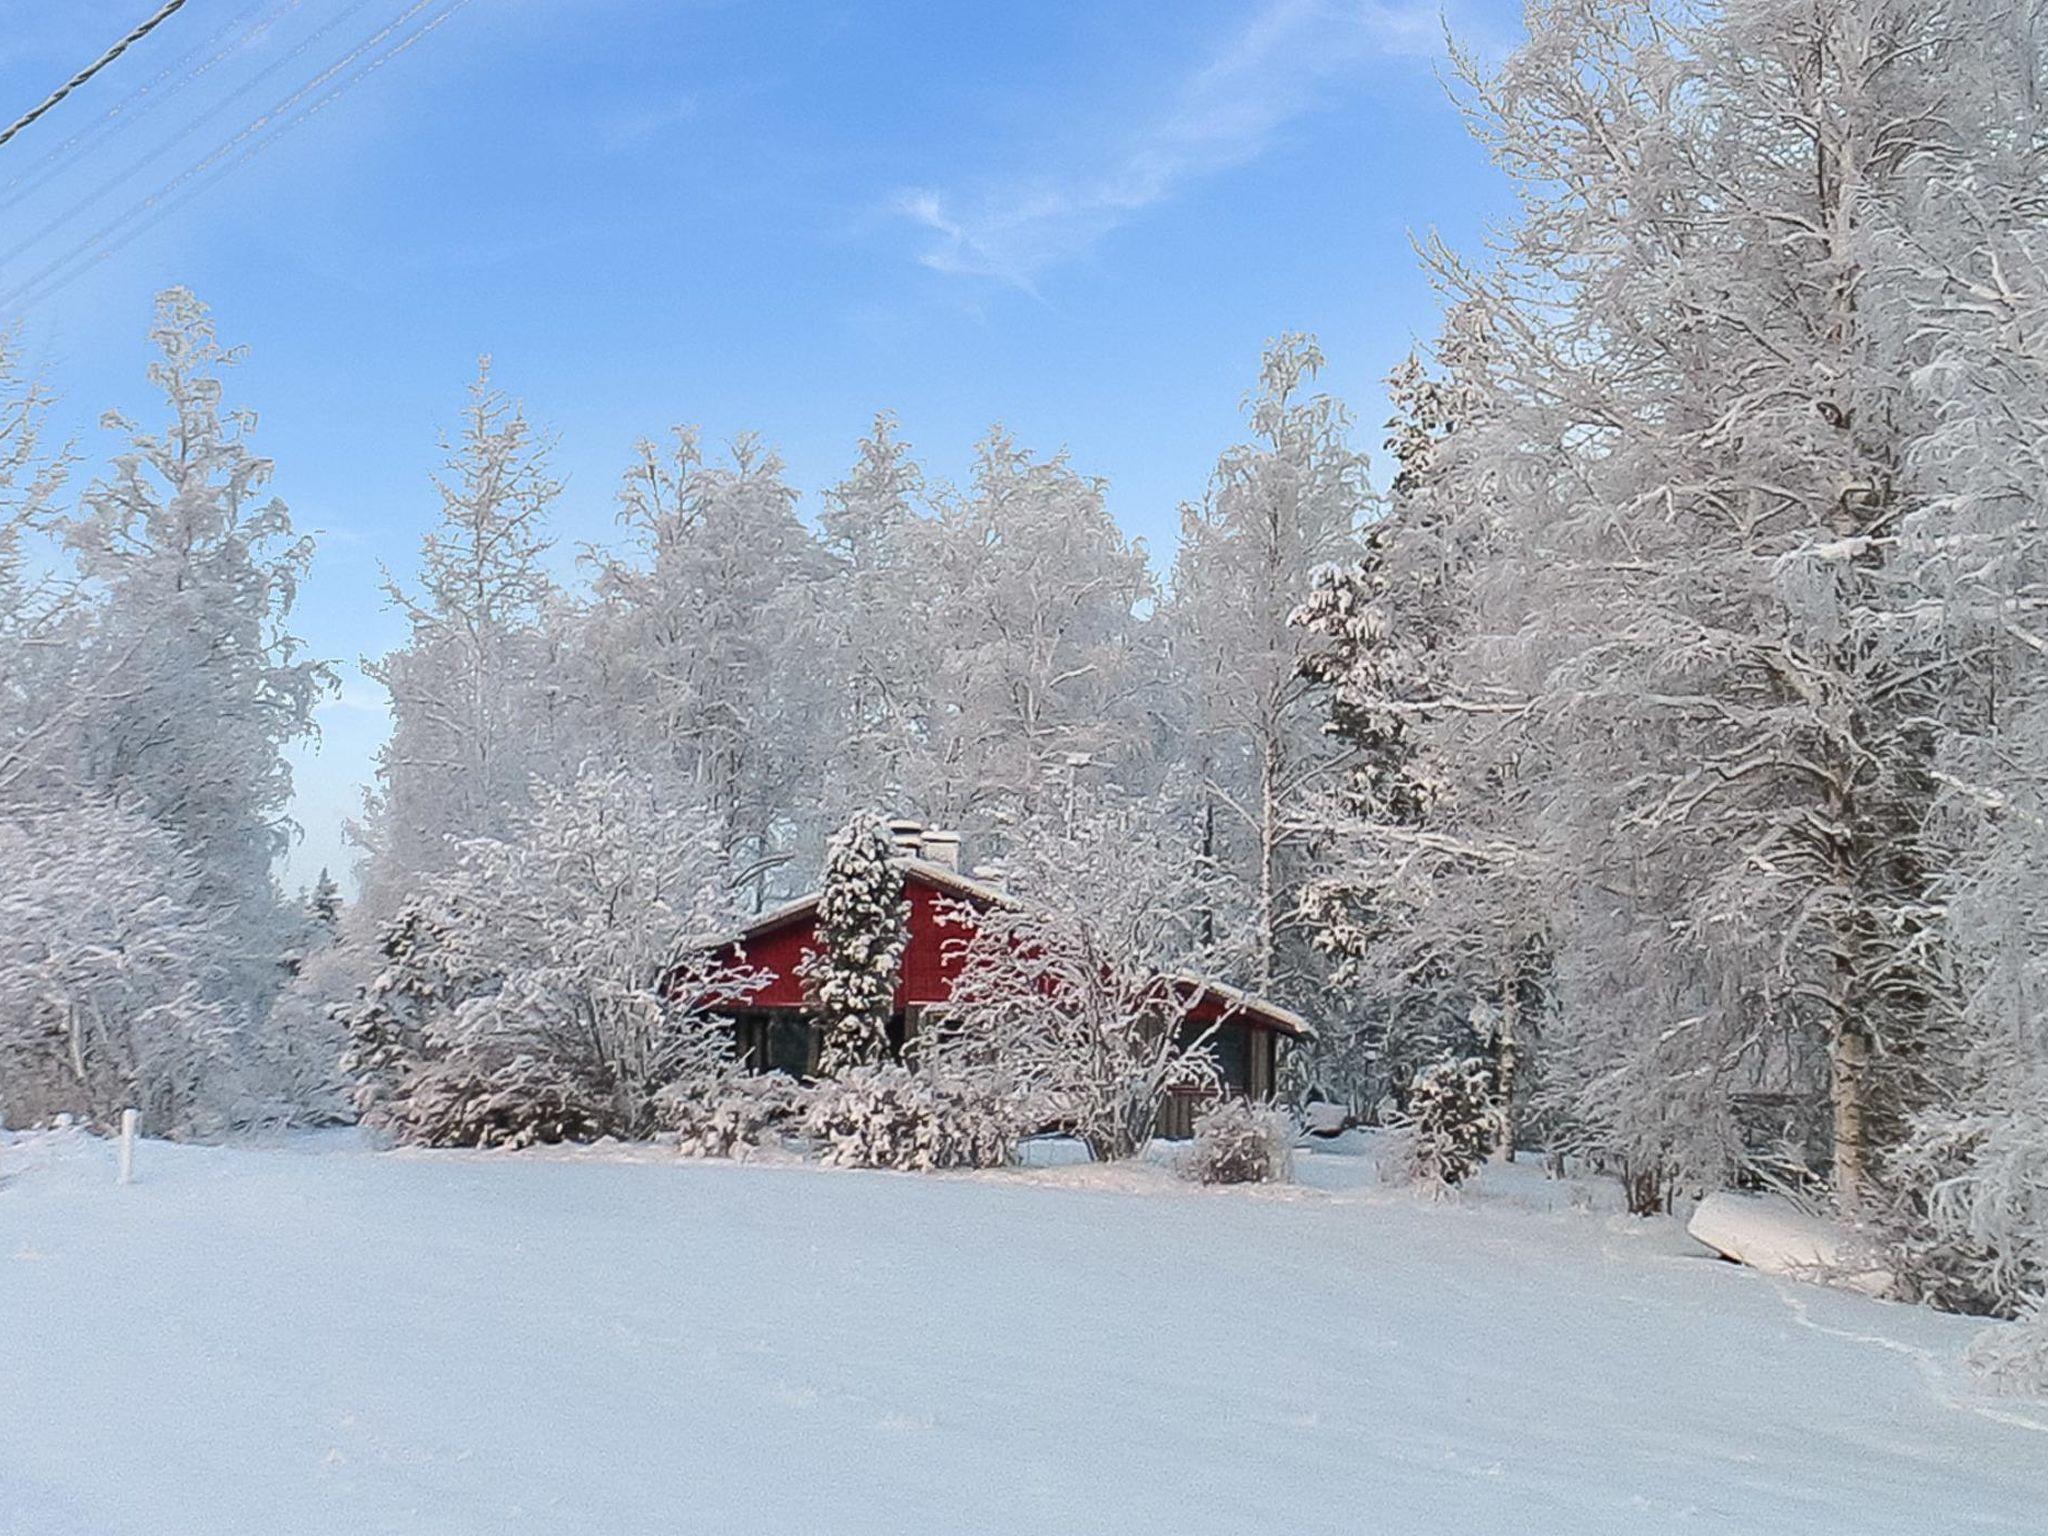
(471, 699)
(113, 990)
(1076, 994)
(552, 982)
(304, 1036)
(1278, 510)
(323, 902)
(41, 702)
(194, 569)
(1686, 491)
(1968, 274)
(702, 639)
(875, 625)
(1422, 900)
(852, 975)
(1038, 648)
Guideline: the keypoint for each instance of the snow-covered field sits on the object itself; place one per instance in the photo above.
(316, 1338)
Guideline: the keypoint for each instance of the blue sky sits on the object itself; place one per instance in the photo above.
(1079, 220)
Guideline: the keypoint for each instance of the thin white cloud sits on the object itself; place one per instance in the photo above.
(355, 699)
(1276, 68)
(627, 130)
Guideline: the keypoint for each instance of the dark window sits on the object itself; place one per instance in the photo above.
(774, 1042)
(787, 1047)
(1230, 1047)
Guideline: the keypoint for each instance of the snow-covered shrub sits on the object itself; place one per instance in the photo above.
(862, 932)
(112, 990)
(520, 1101)
(572, 944)
(1075, 998)
(1239, 1142)
(1970, 1185)
(2014, 1356)
(891, 1117)
(716, 1116)
(1450, 1123)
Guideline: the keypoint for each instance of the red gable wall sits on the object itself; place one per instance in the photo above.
(931, 960)
(928, 967)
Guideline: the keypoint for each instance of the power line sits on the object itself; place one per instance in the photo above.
(287, 114)
(249, 86)
(163, 14)
(231, 38)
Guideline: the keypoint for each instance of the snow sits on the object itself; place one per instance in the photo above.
(1770, 1233)
(317, 1338)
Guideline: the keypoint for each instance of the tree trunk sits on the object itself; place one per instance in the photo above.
(1269, 854)
(1506, 1055)
(1849, 1063)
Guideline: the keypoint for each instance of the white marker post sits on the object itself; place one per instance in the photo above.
(127, 1146)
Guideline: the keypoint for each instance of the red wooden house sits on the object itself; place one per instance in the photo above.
(775, 1030)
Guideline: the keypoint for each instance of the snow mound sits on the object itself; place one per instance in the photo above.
(1770, 1233)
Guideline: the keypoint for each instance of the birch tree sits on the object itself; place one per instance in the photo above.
(1277, 510)
(201, 686)
(470, 699)
(877, 626)
(1039, 653)
(706, 634)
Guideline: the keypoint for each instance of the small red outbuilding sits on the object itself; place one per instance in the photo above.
(775, 1029)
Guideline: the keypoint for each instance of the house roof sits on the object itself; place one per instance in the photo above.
(1231, 1000)
(943, 876)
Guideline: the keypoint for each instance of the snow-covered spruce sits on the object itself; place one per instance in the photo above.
(1450, 1123)
(1239, 1142)
(862, 931)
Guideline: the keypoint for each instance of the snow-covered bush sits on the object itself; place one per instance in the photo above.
(517, 1101)
(112, 990)
(1971, 1181)
(862, 932)
(1239, 1142)
(1450, 1123)
(891, 1117)
(720, 1116)
(2014, 1356)
(565, 960)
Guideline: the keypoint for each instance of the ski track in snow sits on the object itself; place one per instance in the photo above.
(1938, 1376)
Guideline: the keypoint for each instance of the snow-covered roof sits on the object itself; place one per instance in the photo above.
(941, 875)
(1237, 1000)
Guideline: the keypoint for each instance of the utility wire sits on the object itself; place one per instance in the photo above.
(232, 37)
(55, 225)
(251, 141)
(163, 14)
